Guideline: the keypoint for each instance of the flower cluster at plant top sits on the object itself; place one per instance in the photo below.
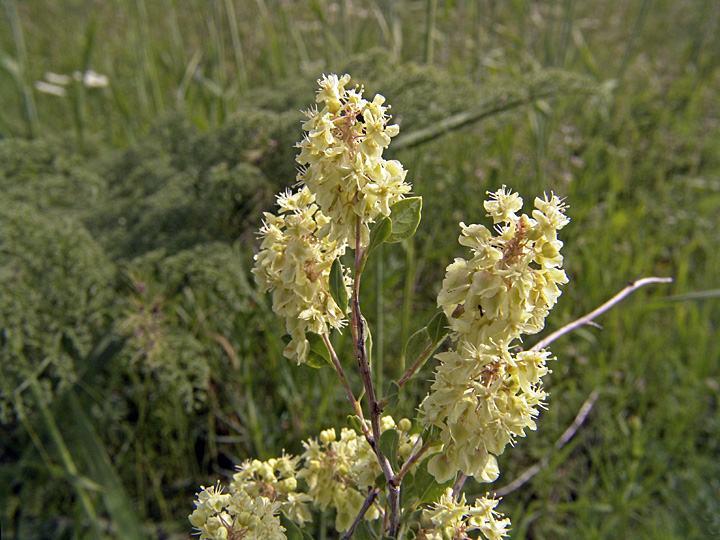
(343, 177)
(332, 472)
(342, 163)
(454, 519)
(483, 395)
(294, 262)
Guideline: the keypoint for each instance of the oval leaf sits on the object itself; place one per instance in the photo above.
(405, 217)
(379, 233)
(355, 423)
(393, 394)
(337, 285)
(426, 488)
(438, 328)
(292, 531)
(416, 345)
(388, 446)
(318, 355)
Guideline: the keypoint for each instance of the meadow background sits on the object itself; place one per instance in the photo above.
(137, 359)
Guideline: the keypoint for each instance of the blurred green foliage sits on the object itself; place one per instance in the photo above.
(128, 318)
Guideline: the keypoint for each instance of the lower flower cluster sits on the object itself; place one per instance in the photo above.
(335, 473)
(235, 515)
(453, 519)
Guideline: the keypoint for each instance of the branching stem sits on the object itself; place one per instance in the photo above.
(365, 507)
(587, 319)
(354, 402)
(358, 334)
(568, 434)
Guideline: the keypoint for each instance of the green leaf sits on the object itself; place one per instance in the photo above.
(337, 285)
(408, 494)
(405, 216)
(364, 531)
(292, 531)
(368, 342)
(438, 328)
(426, 487)
(318, 355)
(379, 233)
(388, 446)
(392, 394)
(416, 345)
(355, 423)
(117, 502)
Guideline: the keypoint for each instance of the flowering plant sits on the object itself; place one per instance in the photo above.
(485, 392)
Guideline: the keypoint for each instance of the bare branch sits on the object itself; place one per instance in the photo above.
(366, 505)
(568, 434)
(348, 391)
(587, 319)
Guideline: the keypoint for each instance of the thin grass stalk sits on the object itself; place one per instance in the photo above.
(630, 47)
(220, 76)
(256, 432)
(408, 294)
(133, 42)
(241, 72)
(29, 108)
(346, 31)
(379, 336)
(332, 45)
(65, 457)
(300, 48)
(564, 33)
(178, 49)
(115, 499)
(80, 94)
(120, 104)
(274, 54)
(149, 65)
(430, 31)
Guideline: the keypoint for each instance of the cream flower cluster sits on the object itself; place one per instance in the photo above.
(453, 519)
(483, 395)
(294, 262)
(332, 473)
(482, 398)
(511, 282)
(339, 472)
(235, 515)
(275, 479)
(342, 163)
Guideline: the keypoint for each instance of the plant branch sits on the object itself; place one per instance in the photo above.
(414, 458)
(348, 391)
(365, 507)
(587, 319)
(358, 331)
(568, 434)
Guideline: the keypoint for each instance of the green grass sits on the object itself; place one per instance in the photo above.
(137, 359)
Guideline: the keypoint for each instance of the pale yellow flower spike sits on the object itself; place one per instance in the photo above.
(342, 163)
(484, 396)
(295, 265)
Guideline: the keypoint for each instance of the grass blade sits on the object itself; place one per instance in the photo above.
(116, 500)
(542, 85)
